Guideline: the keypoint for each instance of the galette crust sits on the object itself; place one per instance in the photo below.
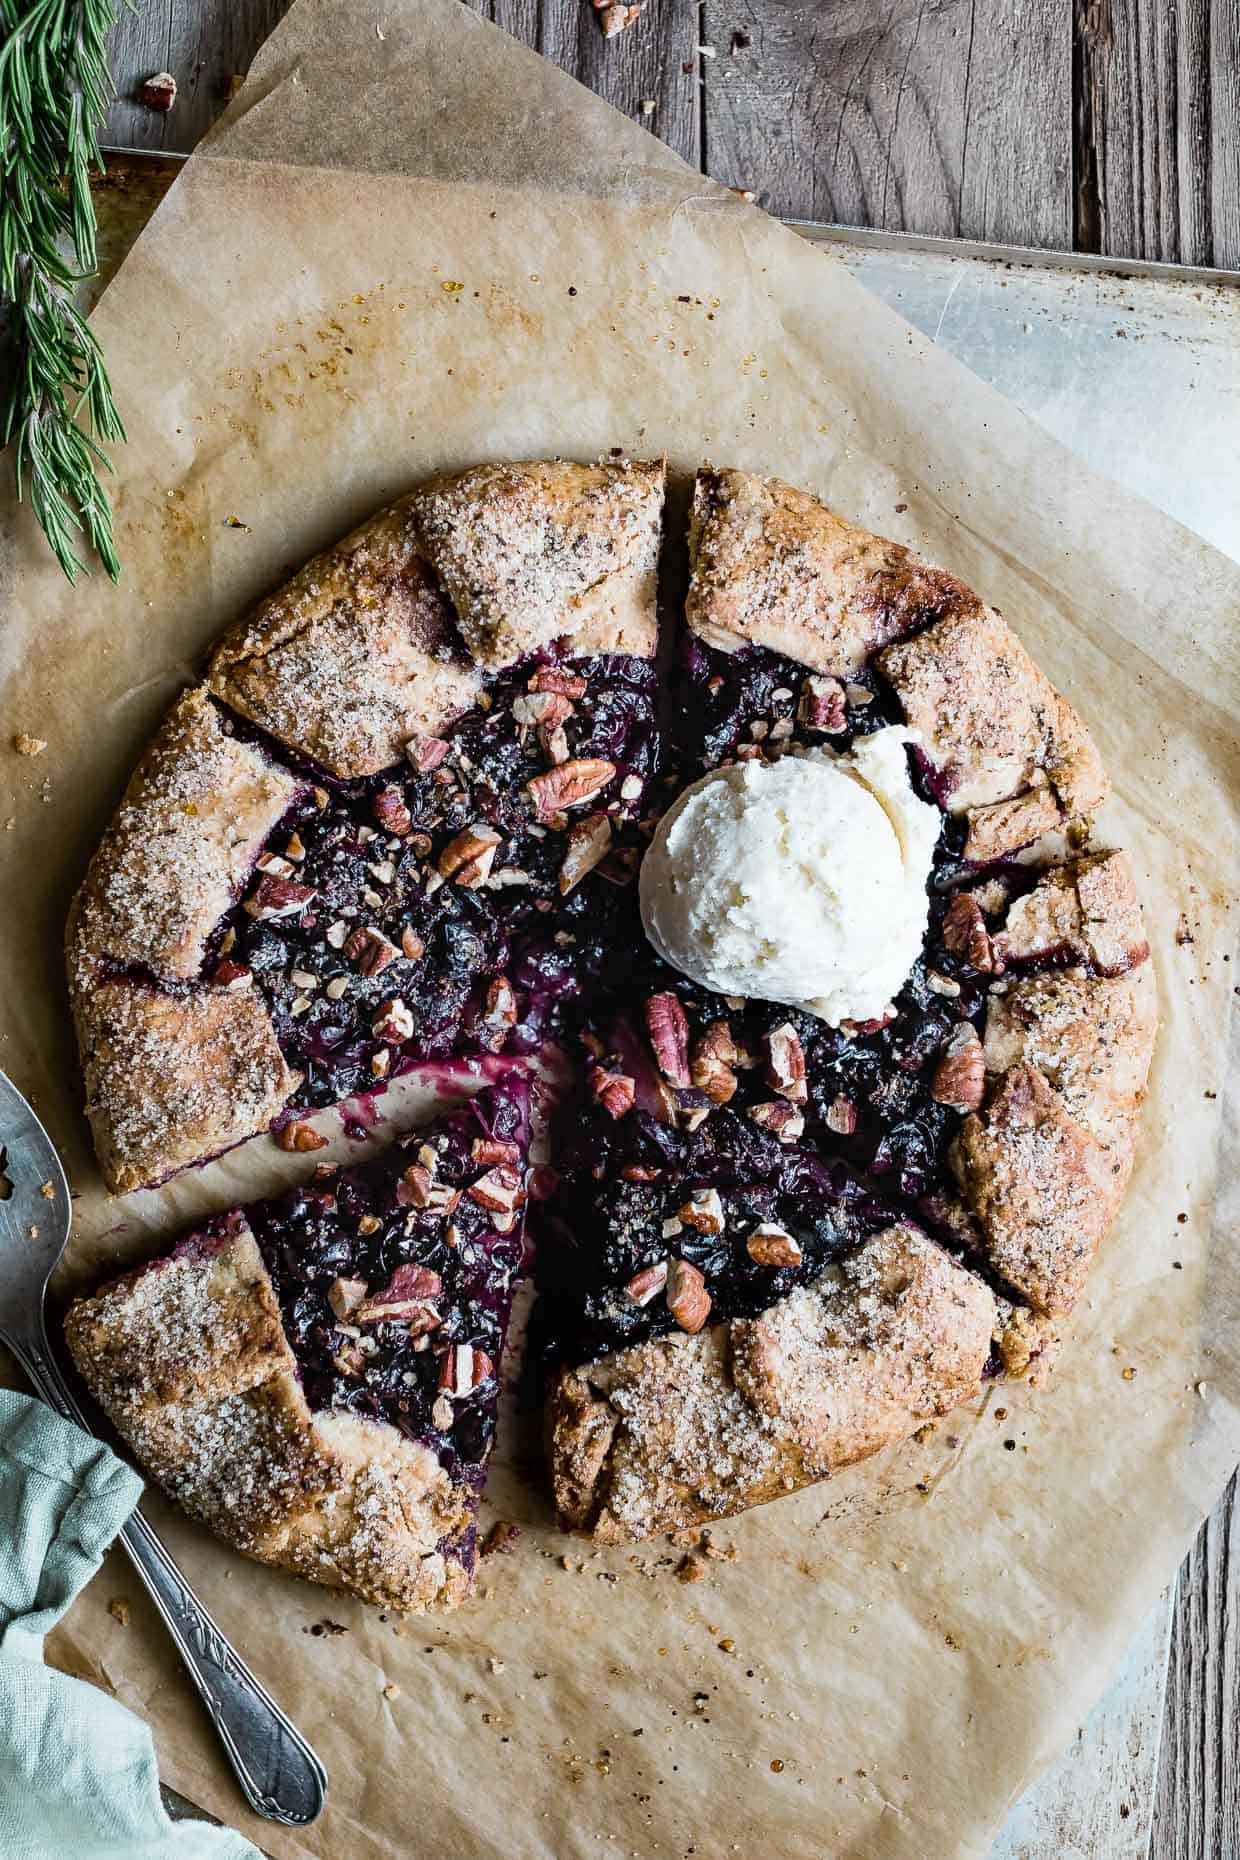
(354, 656)
(1086, 911)
(1009, 752)
(179, 848)
(547, 550)
(1042, 1189)
(683, 1429)
(772, 566)
(172, 1079)
(189, 1360)
(1091, 1039)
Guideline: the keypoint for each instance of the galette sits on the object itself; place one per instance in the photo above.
(790, 911)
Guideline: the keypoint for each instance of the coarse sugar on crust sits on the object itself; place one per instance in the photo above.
(179, 848)
(189, 1360)
(172, 1079)
(1091, 1038)
(547, 550)
(353, 657)
(1042, 1189)
(681, 1429)
(773, 567)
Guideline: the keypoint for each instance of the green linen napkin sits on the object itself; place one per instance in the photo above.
(77, 1770)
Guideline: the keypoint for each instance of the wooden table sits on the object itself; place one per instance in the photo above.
(1107, 126)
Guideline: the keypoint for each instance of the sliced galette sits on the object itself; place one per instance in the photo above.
(315, 1377)
(849, 1017)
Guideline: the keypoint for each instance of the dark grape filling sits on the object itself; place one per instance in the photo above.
(358, 1224)
(368, 851)
(872, 1143)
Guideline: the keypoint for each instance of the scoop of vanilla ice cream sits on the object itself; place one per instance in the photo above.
(801, 881)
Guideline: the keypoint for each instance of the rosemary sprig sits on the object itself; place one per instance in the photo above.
(58, 405)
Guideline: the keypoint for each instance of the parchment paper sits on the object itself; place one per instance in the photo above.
(888, 1659)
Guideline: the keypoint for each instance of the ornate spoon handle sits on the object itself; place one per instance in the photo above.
(279, 1772)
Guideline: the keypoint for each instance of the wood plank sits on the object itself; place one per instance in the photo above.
(206, 43)
(950, 119)
(642, 65)
(1158, 130)
(1197, 1807)
(1096, 1802)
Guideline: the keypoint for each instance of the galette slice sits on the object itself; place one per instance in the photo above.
(354, 657)
(726, 1314)
(175, 1070)
(859, 621)
(315, 1377)
(541, 551)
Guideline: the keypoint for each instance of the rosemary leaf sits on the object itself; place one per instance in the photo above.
(57, 409)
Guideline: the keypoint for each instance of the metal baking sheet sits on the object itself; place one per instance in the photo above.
(1137, 369)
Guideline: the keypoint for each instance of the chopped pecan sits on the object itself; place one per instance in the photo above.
(822, 705)
(960, 1076)
(647, 1283)
(966, 935)
(411, 944)
(500, 1007)
(499, 1189)
(544, 708)
(406, 1298)
(553, 678)
(393, 1023)
(589, 840)
(159, 93)
(615, 1091)
(842, 1115)
(782, 1119)
(687, 1297)
(392, 813)
(462, 1368)
(569, 785)
(669, 1036)
(277, 897)
(703, 1211)
(713, 1057)
(416, 1186)
(785, 1070)
(349, 1360)
(640, 1172)
(300, 1137)
(370, 950)
(553, 741)
(231, 975)
(494, 1150)
(426, 752)
(771, 1245)
(345, 1295)
(469, 856)
(501, 1539)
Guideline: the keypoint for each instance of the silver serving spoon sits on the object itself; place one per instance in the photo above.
(280, 1774)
